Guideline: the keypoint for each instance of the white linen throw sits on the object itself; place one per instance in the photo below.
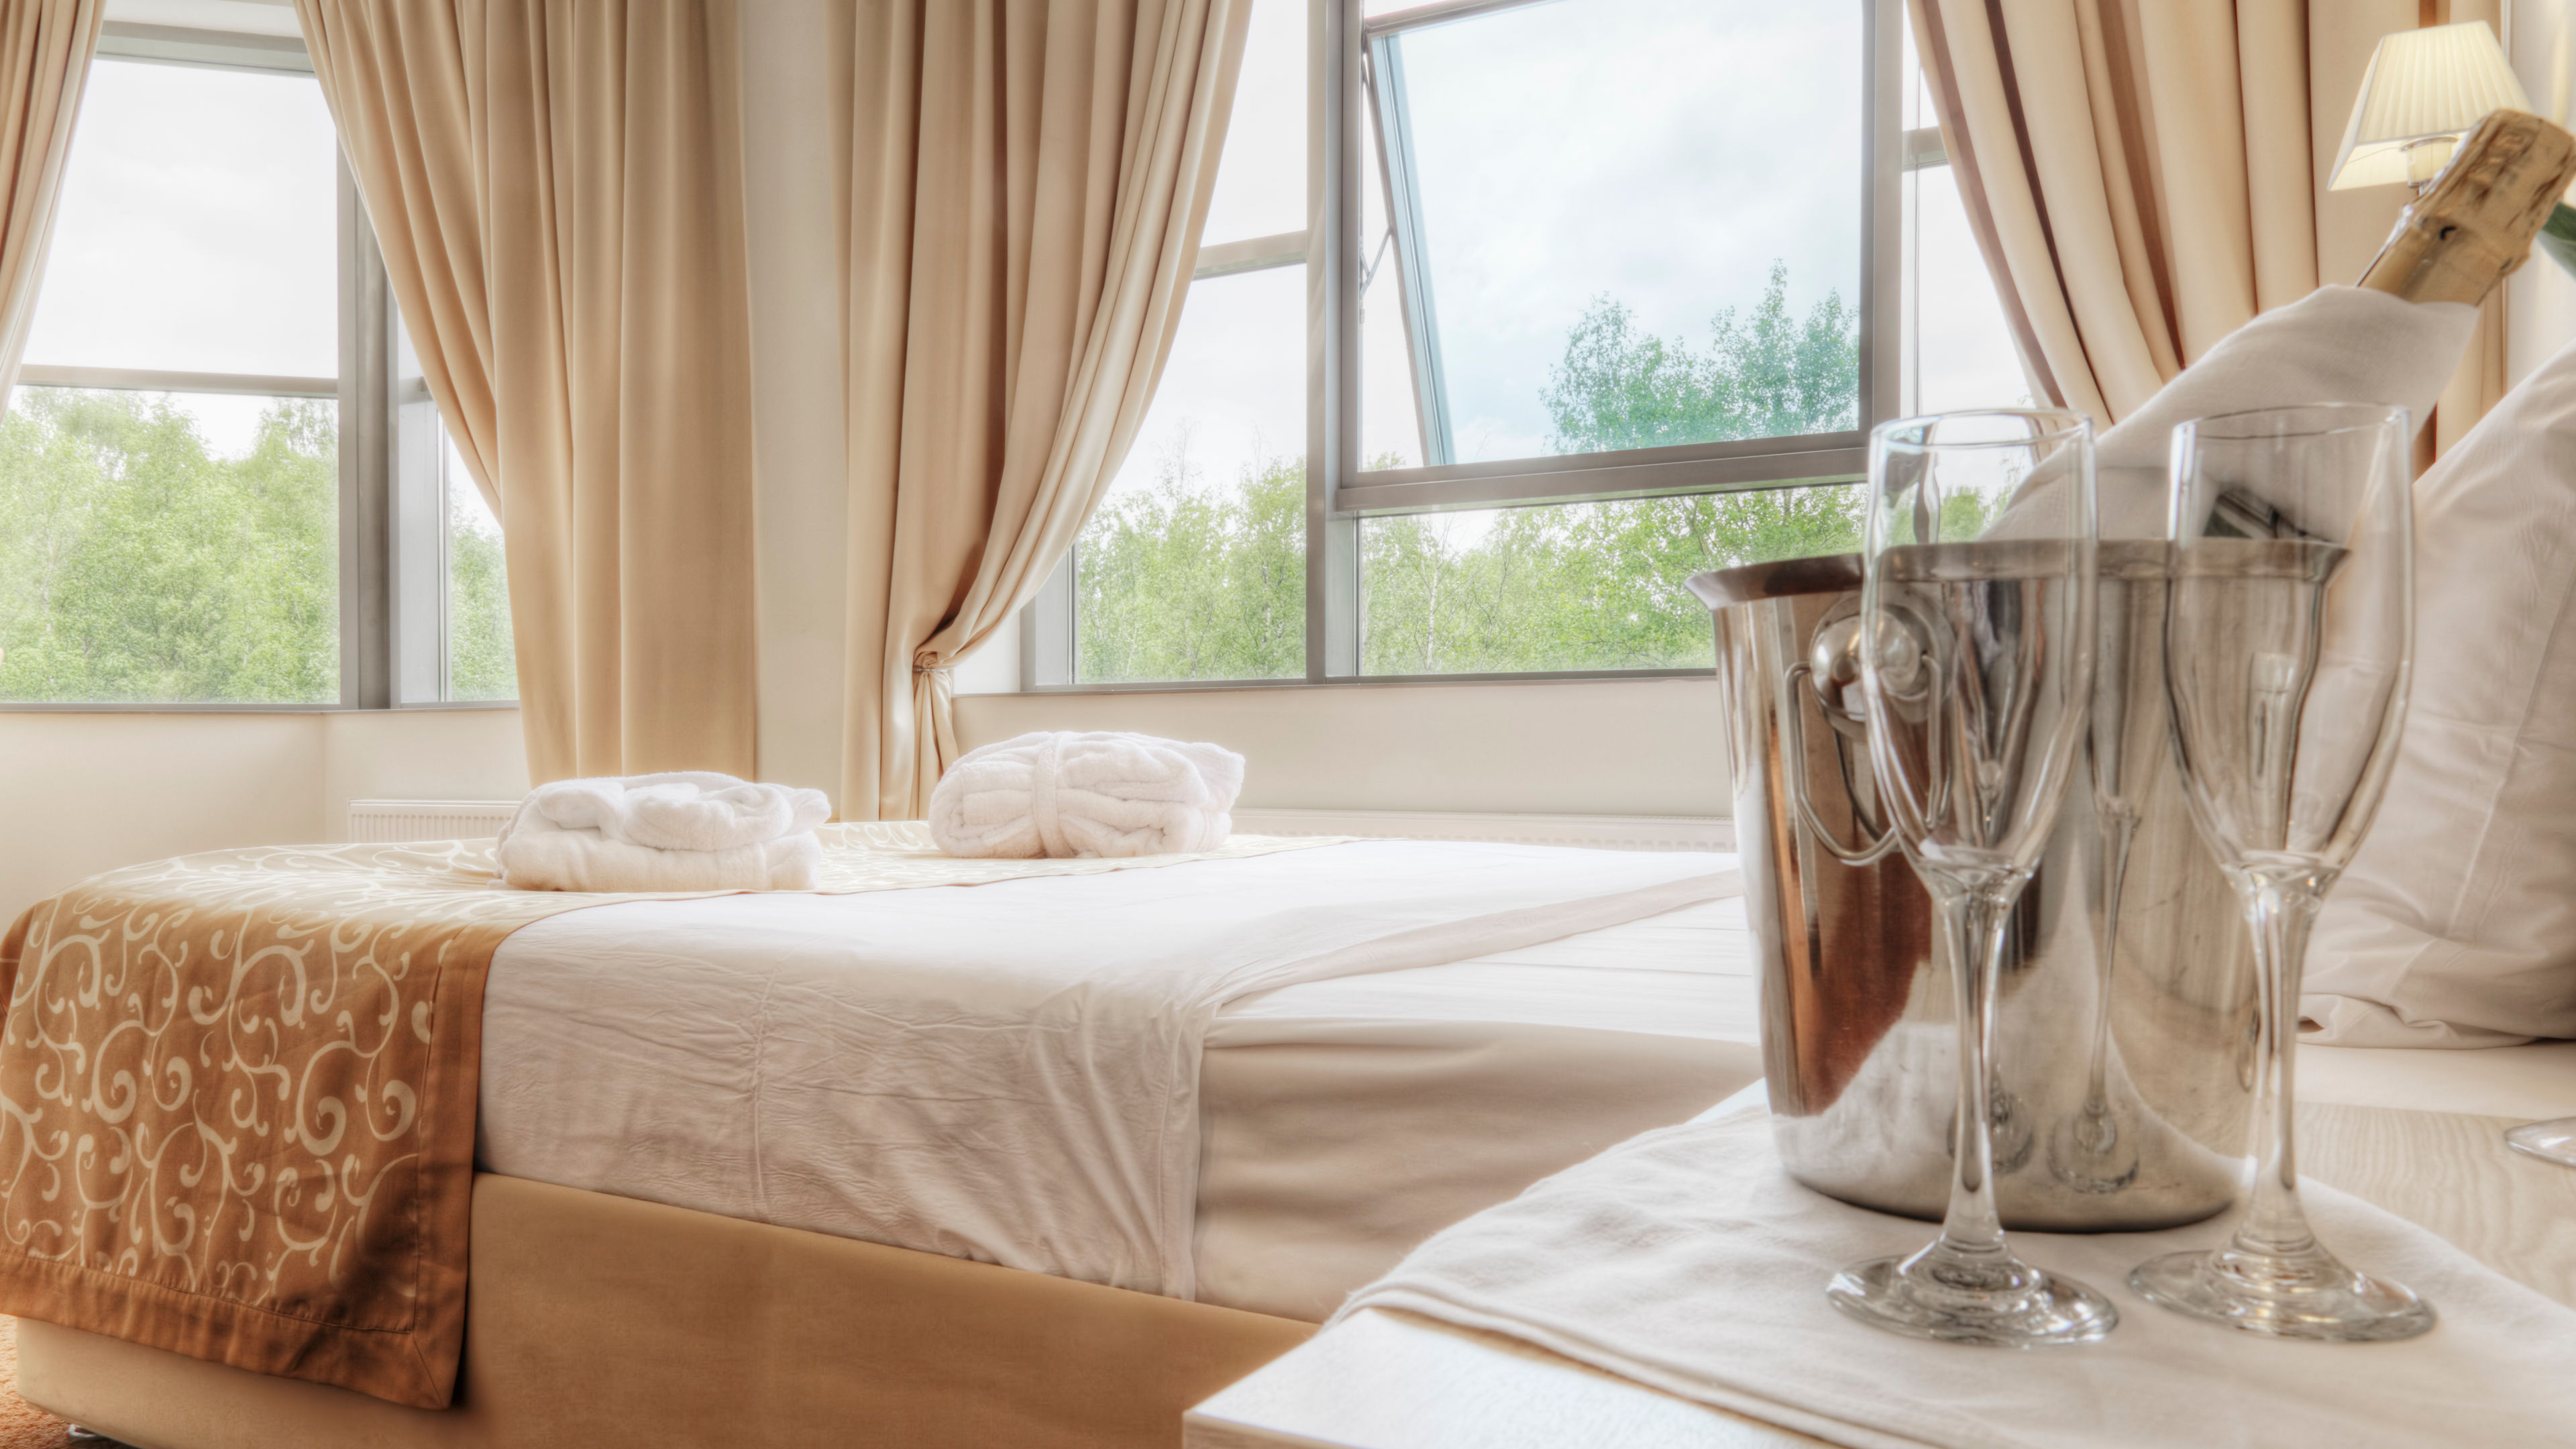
(683, 830)
(1103, 793)
(1007, 1073)
(2336, 344)
(1687, 1259)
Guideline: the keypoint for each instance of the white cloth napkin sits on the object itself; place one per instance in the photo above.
(682, 830)
(1101, 793)
(2336, 344)
(1687, 1259)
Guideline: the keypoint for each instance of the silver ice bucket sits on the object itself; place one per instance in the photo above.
(2125, 1027)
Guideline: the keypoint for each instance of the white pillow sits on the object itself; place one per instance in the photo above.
(2455, 925)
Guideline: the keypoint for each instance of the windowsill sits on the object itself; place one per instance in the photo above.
(1366, 681)
(118, 707)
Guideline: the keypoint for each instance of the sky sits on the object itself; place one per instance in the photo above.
(1662, 152)
(198, 232)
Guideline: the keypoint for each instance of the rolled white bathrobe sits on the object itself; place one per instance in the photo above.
(1086, 794)
(685, 830)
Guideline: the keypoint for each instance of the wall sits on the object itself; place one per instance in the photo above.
(416, 754)
(2540, 300)
(83, 793)
(1571, 747)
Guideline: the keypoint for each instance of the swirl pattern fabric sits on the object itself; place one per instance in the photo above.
(237, 1094)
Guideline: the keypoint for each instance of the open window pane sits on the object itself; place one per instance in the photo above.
(1261, 179)
(1194, 567)
(1577, 585)
(198, 227)
(1623, 223)
(169, 547)
(482, 662)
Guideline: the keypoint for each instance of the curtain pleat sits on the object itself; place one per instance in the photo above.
(2135, 173)
(1028, 186)
(557, 190)
(45, 50)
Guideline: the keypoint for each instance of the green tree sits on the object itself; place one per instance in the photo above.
(1178, 581)
(1602, 585)
(481, 660)
(135, 565)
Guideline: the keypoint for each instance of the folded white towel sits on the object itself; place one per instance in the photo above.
(1095, 794)
(685, 830)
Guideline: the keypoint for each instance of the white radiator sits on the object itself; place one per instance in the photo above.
(375, 821)
(384, 822)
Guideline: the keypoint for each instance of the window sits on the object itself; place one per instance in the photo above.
(1194, 567)
(196, 464)
(1596, 294)
(169, 468)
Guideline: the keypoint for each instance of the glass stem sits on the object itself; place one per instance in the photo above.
(2118, 835)
(1974, 914)
(2280, 908)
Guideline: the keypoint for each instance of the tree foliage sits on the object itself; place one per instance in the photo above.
(138, 565)
(1180, 581)
(481, 662)
(135, 565)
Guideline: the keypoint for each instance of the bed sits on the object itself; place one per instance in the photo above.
(1342, 1120)
(637, 1277)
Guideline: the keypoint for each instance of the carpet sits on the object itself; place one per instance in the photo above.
(22, 1424)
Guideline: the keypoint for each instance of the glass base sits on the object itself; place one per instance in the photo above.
(2089, 1152)
(1995, 1300)
(2548, 1141)
(2310, 1295)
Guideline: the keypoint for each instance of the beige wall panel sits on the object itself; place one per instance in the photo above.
(1615, 747)
(83, 793)
(794, 193)
(2540, 300)
(441, 754)
(2350, 224)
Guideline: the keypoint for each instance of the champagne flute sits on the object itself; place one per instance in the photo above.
(1976, 674)
(2289, 635)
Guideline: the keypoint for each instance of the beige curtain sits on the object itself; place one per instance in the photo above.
(2137, 172)
(1028, 184)
(45, 49)
(557, 188)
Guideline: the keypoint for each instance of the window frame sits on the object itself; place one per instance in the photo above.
(1342, 42)
(392, 607)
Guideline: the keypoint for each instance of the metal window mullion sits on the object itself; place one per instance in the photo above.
(204, 49)
(1884, 158)
(1332, 337)
(365, 458)
(1255, 254)
(1049, 643)
(156, 379)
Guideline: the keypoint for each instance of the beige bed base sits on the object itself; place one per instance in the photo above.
(600, 1320)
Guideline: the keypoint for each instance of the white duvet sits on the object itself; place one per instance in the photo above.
(1005, 1072)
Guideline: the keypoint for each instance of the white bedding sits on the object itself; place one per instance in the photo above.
(1342, 1120)
(1008, 1072)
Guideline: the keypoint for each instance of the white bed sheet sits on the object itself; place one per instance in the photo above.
(1343, 1121)
(1007, 1073)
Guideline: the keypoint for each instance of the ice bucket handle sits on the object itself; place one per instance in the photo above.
(1794, 688)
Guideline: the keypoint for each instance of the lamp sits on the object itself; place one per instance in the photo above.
(2425, 89)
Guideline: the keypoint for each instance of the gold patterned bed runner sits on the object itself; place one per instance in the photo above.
(237, 1093)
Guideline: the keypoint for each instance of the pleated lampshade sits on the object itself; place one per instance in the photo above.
(2423, 84)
